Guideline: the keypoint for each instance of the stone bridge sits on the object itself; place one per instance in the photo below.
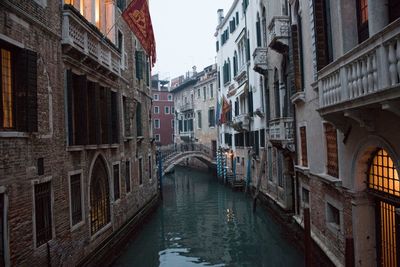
(172, 155)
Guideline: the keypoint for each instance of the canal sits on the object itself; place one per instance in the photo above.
(203, 223)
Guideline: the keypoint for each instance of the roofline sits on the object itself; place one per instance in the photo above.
(221, 25)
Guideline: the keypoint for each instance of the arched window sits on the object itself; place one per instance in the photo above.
(383, 175)
(99, 197)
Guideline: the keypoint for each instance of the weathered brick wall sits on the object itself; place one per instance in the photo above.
(39, 29)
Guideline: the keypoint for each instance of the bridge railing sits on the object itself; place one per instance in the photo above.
(169, 151)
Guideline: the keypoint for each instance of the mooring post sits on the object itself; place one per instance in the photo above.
(307, 238)
(349, 252)
(160, 173)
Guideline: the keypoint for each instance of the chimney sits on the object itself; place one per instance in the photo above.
(220, 13)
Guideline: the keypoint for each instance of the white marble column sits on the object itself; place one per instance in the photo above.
(378, 16)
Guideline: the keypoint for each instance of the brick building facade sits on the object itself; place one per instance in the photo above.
(76, 148)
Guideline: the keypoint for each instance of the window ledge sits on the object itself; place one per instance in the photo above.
(14, 134)
(114, 146)
(101, 231)
(77, 226)
(75, 148)
(305, 170)
(328, 179)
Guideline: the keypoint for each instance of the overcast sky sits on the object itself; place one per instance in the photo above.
(184, 32)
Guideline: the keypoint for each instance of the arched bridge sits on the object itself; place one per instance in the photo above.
(172, 155)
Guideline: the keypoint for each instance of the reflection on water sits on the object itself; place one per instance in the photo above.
(202, 223)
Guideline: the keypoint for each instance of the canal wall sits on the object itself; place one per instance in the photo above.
(110, 248)
(292, 230)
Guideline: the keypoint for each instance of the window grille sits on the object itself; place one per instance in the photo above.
(128, 176)
(43, 218)
(99, 197)
(116, 182)
(140, 171)
(383, 175)
(76, 199)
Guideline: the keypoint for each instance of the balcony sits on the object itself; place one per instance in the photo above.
(260, 60)
(365, 78)
(84, 42)
(279, 34)
(241, 122)
(187, 106)
(281, 132)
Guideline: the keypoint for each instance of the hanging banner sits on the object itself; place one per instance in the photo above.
(137, 16)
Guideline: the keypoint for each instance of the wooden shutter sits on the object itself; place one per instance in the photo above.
(296, 57)
(20, 91)
(32, 91)
(303, 140)
(114, 117)
(69, 108)
(258, 28)
(320, 34)
(80, 109)
(139, 64)
(109, 116)
(248, 49)
(331, 150)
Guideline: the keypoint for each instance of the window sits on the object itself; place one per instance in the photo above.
(18, 84)
(166, 110)
(128, 176)
(92, 112)
(333, 216)
(211, 91)
(43, 213)
(169, 97)
(117, 193)
(172, 110)
(127, 121)
(120, 44)
(139, 64)
(383, 175)
(303, 143)
(198, 93)
(305, 197)
(156, 124)
(199, 119)
(156, 110)
(211, 117)
(362, 17)
(155, 96)
(150, 170)
(204, 93)
(139, 119)
(172, 123)
(121, 4)
(157, 138)
(97, 13)
(262, 138)
(140, 171)
(99, 197)
(76, 199)
(331, 150)
(270, 163)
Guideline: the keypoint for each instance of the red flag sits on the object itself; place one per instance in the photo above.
(137, 16)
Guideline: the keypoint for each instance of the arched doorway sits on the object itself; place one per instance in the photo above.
(384, 185)
(99, 197)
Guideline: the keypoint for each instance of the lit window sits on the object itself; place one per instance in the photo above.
(99, 197)
(383, 175)
(97, 13)
(7, 93)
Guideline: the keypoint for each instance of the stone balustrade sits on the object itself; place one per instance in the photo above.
(88, 40)
(371, 67)
(281, 129)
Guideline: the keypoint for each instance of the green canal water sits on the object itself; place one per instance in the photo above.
(203, 223)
